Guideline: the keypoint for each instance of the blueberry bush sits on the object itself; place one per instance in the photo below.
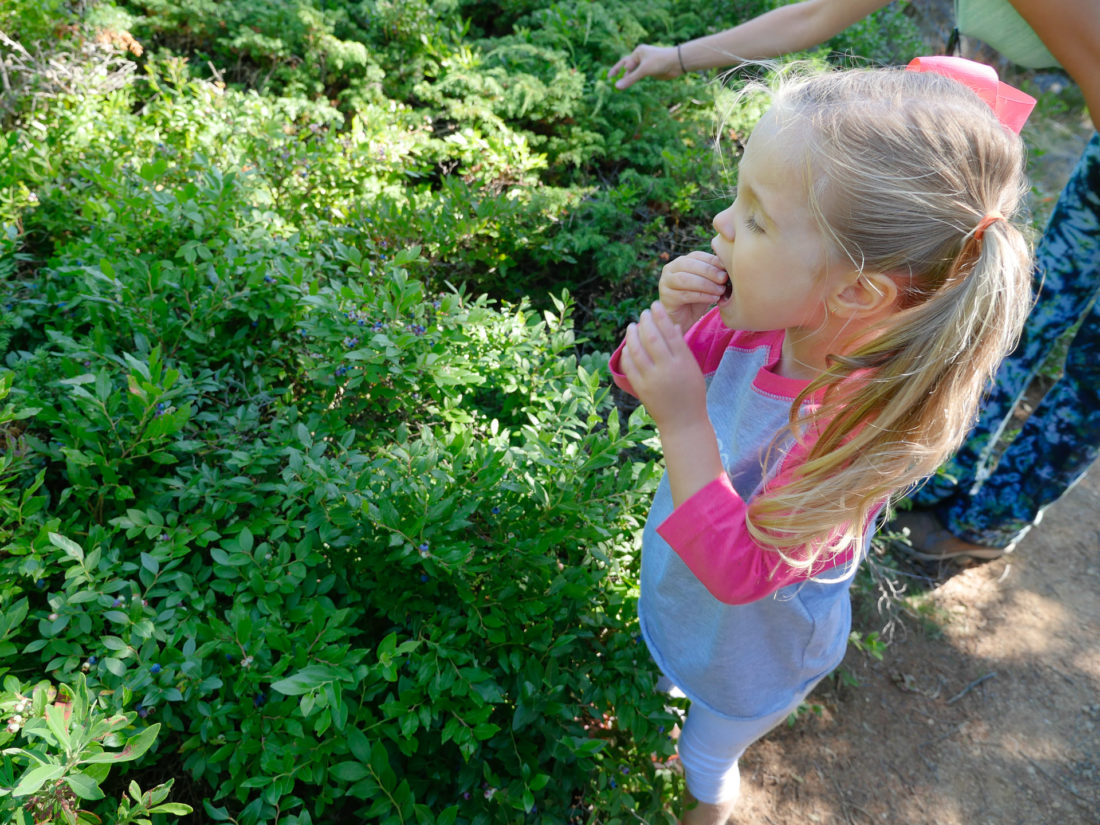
(316, 504)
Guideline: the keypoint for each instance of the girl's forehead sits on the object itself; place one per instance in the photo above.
(780, 124)
(776, 152)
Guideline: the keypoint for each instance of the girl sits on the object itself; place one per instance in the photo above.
(867, 280)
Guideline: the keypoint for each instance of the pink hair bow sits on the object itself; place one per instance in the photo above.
(1011, 106)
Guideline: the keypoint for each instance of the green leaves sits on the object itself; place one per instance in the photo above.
(72, 751)
(306, 680)
(35, 778)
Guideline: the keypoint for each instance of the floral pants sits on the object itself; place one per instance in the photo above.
(994, 504)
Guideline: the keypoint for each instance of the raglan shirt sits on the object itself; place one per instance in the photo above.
(736, 628)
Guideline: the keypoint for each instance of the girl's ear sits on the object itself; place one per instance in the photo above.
(868, 294)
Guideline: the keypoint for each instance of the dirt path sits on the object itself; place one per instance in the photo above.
(996, 722)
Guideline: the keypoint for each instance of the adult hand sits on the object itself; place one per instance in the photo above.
(660, 62)
(663, 372)
(690, 285)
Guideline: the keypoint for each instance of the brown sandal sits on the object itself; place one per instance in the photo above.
(929, 540)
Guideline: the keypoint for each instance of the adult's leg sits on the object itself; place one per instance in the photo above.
(1057, 444)
(1066, 280)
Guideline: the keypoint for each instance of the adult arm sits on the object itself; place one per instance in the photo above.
(1071, 30)
(785, 29)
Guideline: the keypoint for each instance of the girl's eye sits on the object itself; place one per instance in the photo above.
(752, 225)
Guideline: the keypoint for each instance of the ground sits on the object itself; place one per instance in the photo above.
(990, 713)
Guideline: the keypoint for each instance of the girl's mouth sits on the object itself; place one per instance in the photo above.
(727, 290)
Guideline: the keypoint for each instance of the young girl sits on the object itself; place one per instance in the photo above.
(868, 280)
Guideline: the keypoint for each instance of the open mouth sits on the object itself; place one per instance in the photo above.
(727, 290)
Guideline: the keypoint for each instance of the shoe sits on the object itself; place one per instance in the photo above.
(929, 540)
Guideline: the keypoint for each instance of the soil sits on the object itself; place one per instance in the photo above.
(985, 708)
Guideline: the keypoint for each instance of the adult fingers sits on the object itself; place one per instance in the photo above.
(631, 77)
(626, 63)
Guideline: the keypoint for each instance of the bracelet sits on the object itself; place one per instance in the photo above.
(680, 57)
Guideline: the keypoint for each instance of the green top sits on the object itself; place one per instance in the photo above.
(995, 22)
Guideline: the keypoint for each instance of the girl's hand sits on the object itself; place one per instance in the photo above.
(646, 61)
(690, 285)
(663, 372)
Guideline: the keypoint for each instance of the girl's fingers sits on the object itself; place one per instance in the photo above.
(635, 349)
(670, 332)
(654, 335)
(626, 361)
(705, 265)
(695, 274)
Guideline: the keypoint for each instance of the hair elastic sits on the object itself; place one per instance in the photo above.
(987, 221)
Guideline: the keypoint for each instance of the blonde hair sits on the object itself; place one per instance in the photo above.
(904, 168)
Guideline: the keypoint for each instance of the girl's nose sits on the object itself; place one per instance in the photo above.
(724, 223)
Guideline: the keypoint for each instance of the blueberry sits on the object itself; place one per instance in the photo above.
(154, 669)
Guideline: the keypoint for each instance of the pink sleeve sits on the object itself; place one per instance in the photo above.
(709, 534)
(707, 339)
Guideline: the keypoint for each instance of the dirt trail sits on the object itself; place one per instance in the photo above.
(994, 723)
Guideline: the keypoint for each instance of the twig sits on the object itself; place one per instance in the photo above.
(1092, 803)
(941, 737)
(901, 776)
(970, 687)
(843, 802)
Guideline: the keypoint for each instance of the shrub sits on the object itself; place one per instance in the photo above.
(376, 532)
